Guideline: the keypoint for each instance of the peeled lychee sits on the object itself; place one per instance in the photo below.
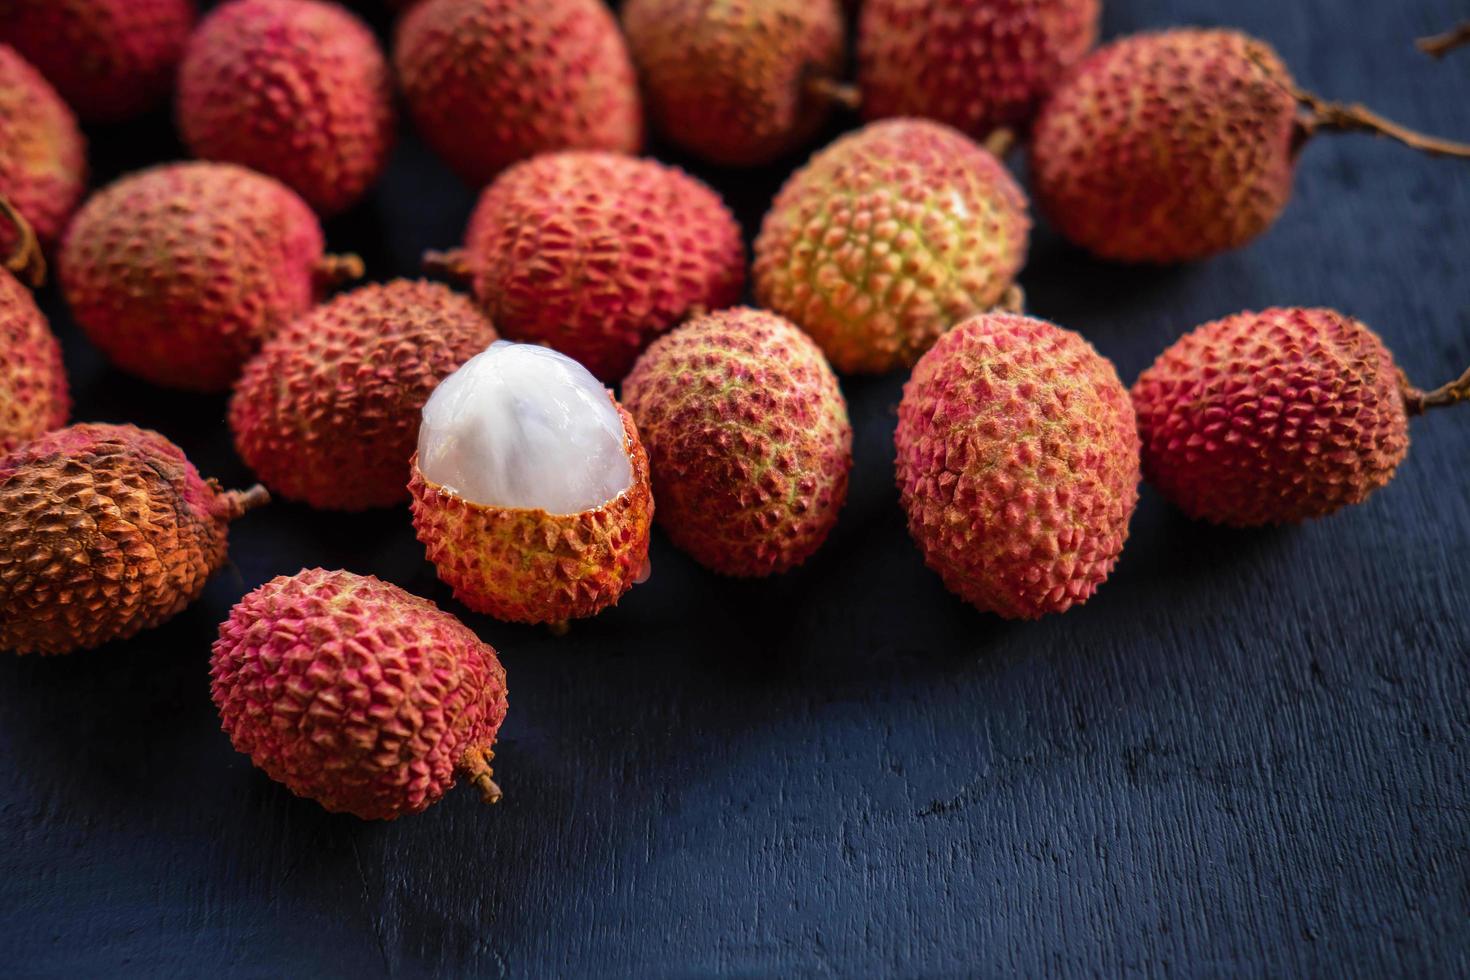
(490, 82)
(356, 694)
(1177, 145)
(43, 157)
(328, 411)
(110, 59)
(733, 80)
(179, 272)
(1277, 417)
(596, 254)
(530, 488)
(1017, 464)
(295, 89)
(889, 237)
(747, 437)
(33, 390)
(977, 65)
(105, 530)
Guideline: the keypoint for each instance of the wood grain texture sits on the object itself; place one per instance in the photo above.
(1249, 755)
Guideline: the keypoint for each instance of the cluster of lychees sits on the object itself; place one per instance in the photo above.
(1019, 453)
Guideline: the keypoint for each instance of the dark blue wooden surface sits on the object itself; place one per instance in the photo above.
(1249, 755)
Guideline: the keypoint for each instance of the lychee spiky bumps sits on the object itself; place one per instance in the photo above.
(105, 530)
(889, 237)
(733, 81)
(356, 694)
(1178, 145)
(33, 391)
(296, 89)
(747, 437)
(110, 59)
(1277, 417)
(530, 488)
(328, 412)
(1017, 464)
(595, 254)
(179, 272)
(490, 82)
(977, 65)
(43, 157)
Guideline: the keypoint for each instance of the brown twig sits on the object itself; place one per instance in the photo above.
(452, 264)
(476, 763)
(1000, 142)
(25, 260)
(237, 503)
(333, 270)
(848, 96)
(1442, 44)
(1418, 402)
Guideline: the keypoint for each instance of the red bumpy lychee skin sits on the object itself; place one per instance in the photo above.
(105, 530)
(296, 89)
(1277, 417)
(595, 254)
(356, 694)
(328, 411)
(33, 392)
(524, 565)
(111, 60)
(1168, 147)
(733, 80)
(888, 238)
(1017, 464)
(179, 272)
(977, 65)
(43, 157)
(490, 82)
(748, 440)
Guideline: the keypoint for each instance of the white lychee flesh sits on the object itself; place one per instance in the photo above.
(524, 426)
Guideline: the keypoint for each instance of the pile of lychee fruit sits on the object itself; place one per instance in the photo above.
(480, 396)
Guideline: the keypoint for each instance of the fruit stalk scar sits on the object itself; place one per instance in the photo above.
(452, 264)
(838, 93)
(334, 270)
(1440, 45)
(25, 260)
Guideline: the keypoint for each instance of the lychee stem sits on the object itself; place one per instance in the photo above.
(559, 629)
(1000, 142)
(1356, 118)
(1418, 402)
(238, 503)
(452, 264)
(333, 270)
(840, 93)
(1442, 44)
(25, 260)
(1013, 300)
(476, 763)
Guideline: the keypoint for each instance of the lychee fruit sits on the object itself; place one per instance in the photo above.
(111, 60)
(179, 272)
(530, 488)
(1177, 145)
(747, 437)
(1277, 417)
(978, 65)
(328, 411)
(888, 238)
(595, 254)
(43, 157)
(356, 694)
(734, 82)
(1017, 464)
(34, 397)
(295, 89)
(490, 82)
(105, 530)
